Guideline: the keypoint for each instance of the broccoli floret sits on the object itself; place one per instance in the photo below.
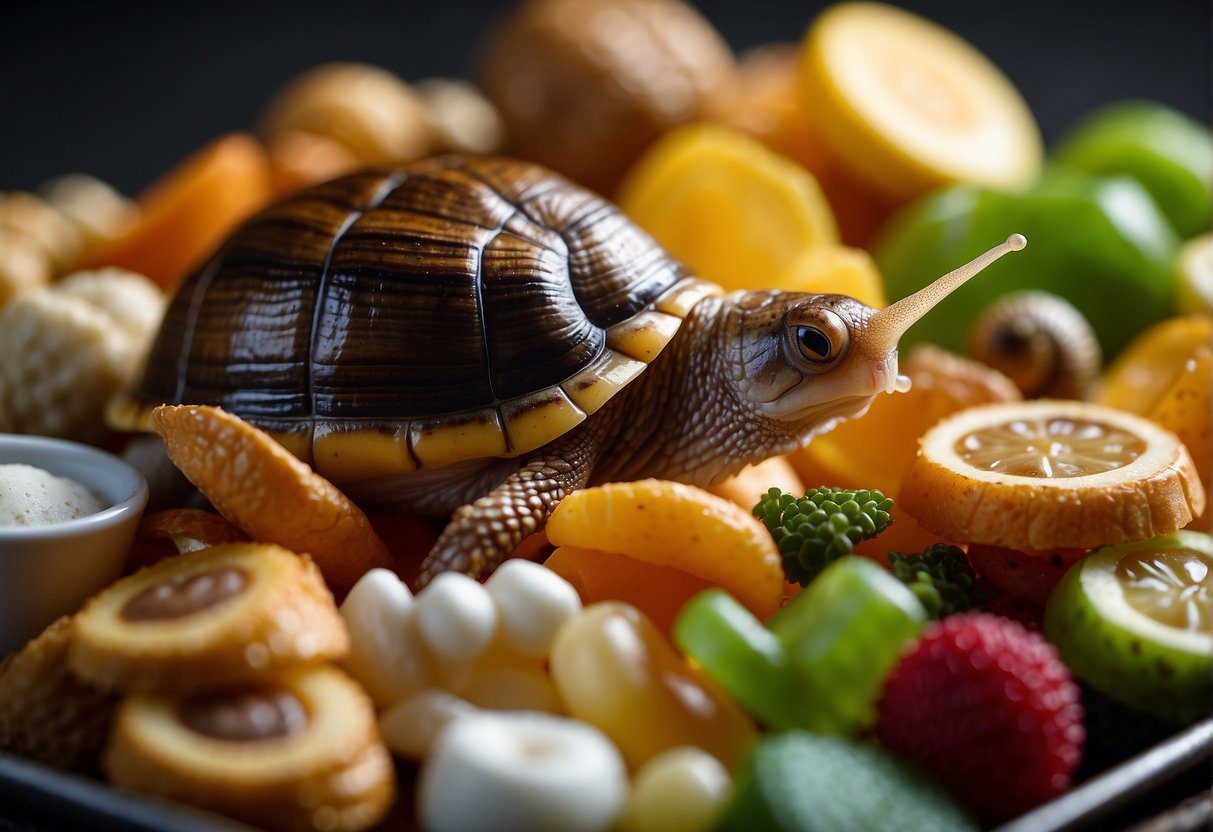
(814, 530)
(941, 577)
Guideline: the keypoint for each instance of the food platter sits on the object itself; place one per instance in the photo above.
(634, 439)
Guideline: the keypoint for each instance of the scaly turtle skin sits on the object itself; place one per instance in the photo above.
(481, 335)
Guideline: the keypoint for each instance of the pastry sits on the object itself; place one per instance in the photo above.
(208, 620)
(300, 752)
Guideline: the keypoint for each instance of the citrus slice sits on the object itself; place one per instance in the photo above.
(909, 106)
(1051, 474)
(1196, 275)
(1139, 377)
(1136, 622)
(1184, 409)
(836, 270)
(677, 526)
(729, 208)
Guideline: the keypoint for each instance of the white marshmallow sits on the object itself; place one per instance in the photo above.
(410, 727)
(457, 621)
(533, 602)
(521, 771)
(386, 656)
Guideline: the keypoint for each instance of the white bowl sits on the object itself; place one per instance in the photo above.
(49, 571)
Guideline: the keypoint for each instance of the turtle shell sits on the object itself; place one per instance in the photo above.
(395, 319)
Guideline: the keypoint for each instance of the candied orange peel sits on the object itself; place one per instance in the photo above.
(677, 526)
(274, 497)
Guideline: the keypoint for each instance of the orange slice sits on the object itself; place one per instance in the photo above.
(1140, 376)
(729, 208)
(1184, 409)
(658, 591)
(1051, 474)
(260, 487)
(188, 211)
(836, 270)
(908, 106)
(677, 526)
(752, 483)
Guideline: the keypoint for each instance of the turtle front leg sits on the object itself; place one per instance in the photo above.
(482, 534)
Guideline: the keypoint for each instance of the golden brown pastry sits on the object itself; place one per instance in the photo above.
(208, 620)
(46, 714)
(301, 752)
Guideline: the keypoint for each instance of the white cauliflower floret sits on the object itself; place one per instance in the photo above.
(24, 266)
(132, 301)
(23, 214)
(70, 348)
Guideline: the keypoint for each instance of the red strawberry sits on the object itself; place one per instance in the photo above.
(1029, 578)
(988, 709)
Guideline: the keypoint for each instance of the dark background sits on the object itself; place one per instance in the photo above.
(124, 89)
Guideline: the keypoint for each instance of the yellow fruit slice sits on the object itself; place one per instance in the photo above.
(909, 106)
(729, 208)
(835, 270)
(1184, 409)
(753, 482)
(260, 487)
(675, 525)
(1196, 275)
(1140, 376)
(1051, 474)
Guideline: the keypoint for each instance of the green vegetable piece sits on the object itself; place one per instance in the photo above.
(940, 577)
(1135, 621)
(739, 653)
(843, 635)
(1170, 154)
(1115, 262)
(798, 782)
(821, 526)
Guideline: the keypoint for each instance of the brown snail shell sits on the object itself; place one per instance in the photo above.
(1041, 342)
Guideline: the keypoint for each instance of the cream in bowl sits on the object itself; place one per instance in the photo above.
(68, 514)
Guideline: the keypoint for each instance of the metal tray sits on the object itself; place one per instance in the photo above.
(37, 799)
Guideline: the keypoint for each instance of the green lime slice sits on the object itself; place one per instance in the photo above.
(1136, 622)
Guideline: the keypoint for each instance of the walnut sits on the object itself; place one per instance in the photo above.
(99, 211)
(462, 119)
(26, 215)
(24, 266)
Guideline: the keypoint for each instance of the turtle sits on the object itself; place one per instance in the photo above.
(479, 337)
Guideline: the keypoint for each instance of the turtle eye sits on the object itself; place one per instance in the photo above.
(814, 344)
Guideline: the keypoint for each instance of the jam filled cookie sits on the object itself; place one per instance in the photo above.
(208, 620)
(46, 714)
(299, 752)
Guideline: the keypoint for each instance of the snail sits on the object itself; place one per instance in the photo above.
(480, 335)
(1041, 342)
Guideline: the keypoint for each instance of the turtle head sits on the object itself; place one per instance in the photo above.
(814, 359)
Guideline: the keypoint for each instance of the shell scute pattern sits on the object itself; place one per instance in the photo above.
(436, 303)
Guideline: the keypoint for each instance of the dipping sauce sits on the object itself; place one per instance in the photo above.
(30, 496)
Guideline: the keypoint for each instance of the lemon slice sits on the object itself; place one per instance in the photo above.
(1136, 622)
(910, 106)
(734, 211)
(1137, 380)
(1196, 275)
(1051, 474)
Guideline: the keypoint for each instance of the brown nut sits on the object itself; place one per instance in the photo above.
(584, 86)
(30, 216)
(299, 159)
(462, 119)
(367, 109)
